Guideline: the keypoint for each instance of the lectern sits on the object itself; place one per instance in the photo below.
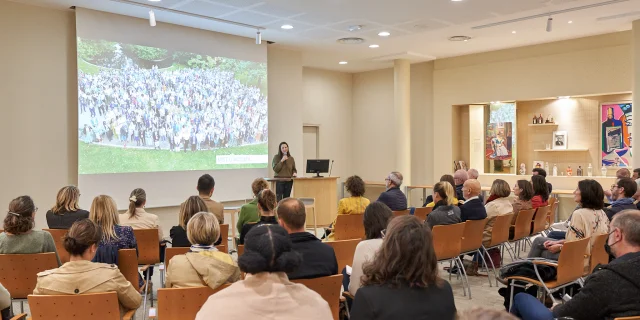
(323, 190)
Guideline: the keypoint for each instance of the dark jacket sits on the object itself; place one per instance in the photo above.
(611, 291)
(443, 214)
(459, 193)
(179, 237)
(619, 205)
(248, 226)
(64, 220)
(382, 302)
(394, 199)
(318, 259)
(473, 210)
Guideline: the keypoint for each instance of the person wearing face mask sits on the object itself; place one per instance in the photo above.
(611, 291)
(393, 197)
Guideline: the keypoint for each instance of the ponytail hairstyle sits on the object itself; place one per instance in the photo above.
(82, 235)
(267, 248)
(267, 200)
(19, 218)
(446, 192)
(137, 198)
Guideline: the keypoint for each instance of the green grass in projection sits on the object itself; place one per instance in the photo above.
(103, 159)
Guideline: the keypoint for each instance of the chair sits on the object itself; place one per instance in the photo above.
(422, 213)
(128, 265)
(539, 223)
(240, 249)
(499, 238)
(148, 256)
(552, 214)
(628, 318)
(169, 253)
(58, 235)
(472, 240)
(19, 273)
(328, 288)
(310, 208)
(344, 249)
(94, 306)
(183, 303)
(349, 226)
(401, 213)
(224, 235)
(570, 267)
(447, 242)
(598, 254)
(522, 229)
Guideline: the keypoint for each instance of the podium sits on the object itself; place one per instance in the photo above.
(323, 190)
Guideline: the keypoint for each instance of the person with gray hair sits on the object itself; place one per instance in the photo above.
(473, 174)
(459, 177)
(393, 197)
(611, 291)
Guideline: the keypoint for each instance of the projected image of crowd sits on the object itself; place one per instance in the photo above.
(179, 110)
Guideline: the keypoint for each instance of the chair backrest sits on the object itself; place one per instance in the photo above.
(628, 318)
(472, 235)
(128, 265)
(598, 254)
(552, 201)
(540, 219)
(349, 226)
(344, 249)
(328, 288)
(58, 235)
(224, 235)
(19, 272)
(148, 246)
(447, 240)
(571, 260)
(500, 232)
(551, 218)
(183, 303)
(422, 213)
(401, 213)
(523, 224)
(240, 249)
(173, 251)
(95, 306)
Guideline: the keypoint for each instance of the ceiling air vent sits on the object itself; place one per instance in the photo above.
(460, 38)
(351, 40)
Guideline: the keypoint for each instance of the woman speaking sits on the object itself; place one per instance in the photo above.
(284, 166)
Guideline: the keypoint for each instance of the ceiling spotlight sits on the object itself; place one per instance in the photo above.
(570, 21)
(384, 33)
(373, 46)
(343, 62)
(356, 27)
(564, 97)
(287, 26)
(513, 31)
(456, 0)
(155, 0)
(152, 18)
(258, 37)
(549, 24)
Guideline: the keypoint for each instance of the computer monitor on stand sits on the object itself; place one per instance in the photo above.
(317, 166)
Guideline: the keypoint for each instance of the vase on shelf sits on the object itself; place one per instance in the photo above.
(579, 171)
(604, 171)
(555, 170)
(590, 170)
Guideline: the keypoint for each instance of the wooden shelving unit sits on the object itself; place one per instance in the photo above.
(561, 150)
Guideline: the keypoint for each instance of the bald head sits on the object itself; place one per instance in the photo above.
(473, 174)
(460, 176)
(623, 173)
(471, 188)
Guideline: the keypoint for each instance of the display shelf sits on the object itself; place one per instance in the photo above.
(561, 150)
(543, 125)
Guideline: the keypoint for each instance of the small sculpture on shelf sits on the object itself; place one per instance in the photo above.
(579, 171)
(549, 119)
(555, 170)
(590, 170)
(523, 169)
(569, 171)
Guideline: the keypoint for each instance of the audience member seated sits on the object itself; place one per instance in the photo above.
(621, 173)
(355, 204)
(612, 291)
(203, 265)
(622, 192)
(429, 201)
(636, 174)
(473, 174)
(393, 197)
(188, 208)
(266, 206)
(445, 211)
(5, 304)
(266, 292)
(249, 212)
(404, 284)
(473, 208)
(543, 173)
(540, 192)
(18, 236)
(500, 191)
(459, 178)
(523, 190)
(206, 184)
(104, 213)
(80, 275)
(376, 219)
(318, 259)
(66, 211)
(588, 221)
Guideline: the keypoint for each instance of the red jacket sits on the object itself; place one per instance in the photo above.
(537, 201)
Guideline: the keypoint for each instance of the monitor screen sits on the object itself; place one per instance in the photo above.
(317, 166)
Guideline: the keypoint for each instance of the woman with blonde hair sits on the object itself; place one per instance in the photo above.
(66, 211)
(178, 234)
(501, 204)
(445, 210)
(203, 265)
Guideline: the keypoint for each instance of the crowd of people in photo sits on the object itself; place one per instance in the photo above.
(394, 274)
(178, 110)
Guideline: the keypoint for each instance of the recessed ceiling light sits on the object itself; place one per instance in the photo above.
(287, 26)
(155, 0)
(564, 97)
(459, 38)
(343, 62)
(354, 28)
(570, 21)
(456, 0)
(513, 31)
(384, 33)
(373, 46)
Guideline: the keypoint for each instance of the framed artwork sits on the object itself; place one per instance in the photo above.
(616, 140)
(499, 141)
(537, 164)
(559, 140)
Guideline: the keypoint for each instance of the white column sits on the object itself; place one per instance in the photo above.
(635, 128)
(402, 117)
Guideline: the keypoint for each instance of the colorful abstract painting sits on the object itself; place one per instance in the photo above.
(498, 144)
(616, 134)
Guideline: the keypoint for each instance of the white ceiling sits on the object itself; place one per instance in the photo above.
(419, 28)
